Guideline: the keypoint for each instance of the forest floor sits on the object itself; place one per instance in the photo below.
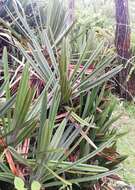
(126, 144)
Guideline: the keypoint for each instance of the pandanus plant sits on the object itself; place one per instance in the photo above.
(55, 138)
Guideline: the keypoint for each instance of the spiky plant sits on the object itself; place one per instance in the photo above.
(46, 159)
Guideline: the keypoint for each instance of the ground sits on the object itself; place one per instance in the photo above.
(126, 144)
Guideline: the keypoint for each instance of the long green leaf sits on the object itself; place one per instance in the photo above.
(84, 179)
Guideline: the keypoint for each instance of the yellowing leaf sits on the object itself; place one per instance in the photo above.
(19, 183)
(35, 185)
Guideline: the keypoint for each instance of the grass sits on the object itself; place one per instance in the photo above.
(126, 144)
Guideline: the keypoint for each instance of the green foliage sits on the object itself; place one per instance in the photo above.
(19, 184)
(49, 160)
(35, 185)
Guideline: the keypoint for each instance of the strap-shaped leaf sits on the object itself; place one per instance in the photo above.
(79, 167)
(8, 104)
(22, 92)
(54, 107)
(7, 177)
(91, 84)
(89, 62)
(18, 157)
(2, 87)
(57, 137)
(84, 179)
(63, 69)
(43, 128)
(7, 78)
(20, 117)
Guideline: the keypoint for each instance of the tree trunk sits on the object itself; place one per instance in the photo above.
(122, 43)
(123, 31)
